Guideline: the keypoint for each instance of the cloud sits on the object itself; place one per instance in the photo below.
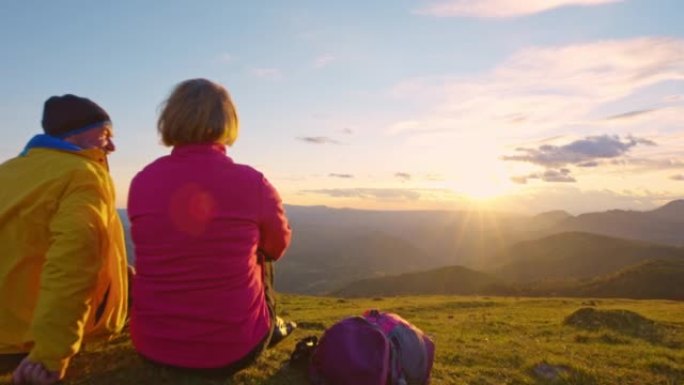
(649, 164)
(582, 152)
(631, 114)
(267, 73)
(679, 177)
(318, 140)
(343, 176)
(521, 179)
(591, 163)
(499, 8)
(562, 175)
(590, 152)
(554, 176)
(369, 193)
(323, 61)
(544, 89)
(404, 176)
(347, 131)
(434, 178)
(576, 200)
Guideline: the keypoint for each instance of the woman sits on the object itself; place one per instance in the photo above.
(205, 230)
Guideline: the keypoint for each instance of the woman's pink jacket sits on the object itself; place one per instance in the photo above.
(197, 221)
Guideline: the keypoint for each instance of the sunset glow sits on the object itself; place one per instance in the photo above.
(444, 104)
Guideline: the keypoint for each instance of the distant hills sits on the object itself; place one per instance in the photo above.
(650, 279)
(320, 261)
(332, 248)
(569, 264)
(663, 225)
(130, 250)
(576, 255)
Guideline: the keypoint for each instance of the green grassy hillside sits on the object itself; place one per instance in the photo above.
(480, 340)
(650, 279)
(446, 280)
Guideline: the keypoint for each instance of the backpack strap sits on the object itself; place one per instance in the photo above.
(410, 357)
(396, 374)
(301, 356)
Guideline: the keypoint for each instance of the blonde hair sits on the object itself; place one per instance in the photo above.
(198, 111)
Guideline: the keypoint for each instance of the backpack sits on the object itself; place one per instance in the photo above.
(374, 349)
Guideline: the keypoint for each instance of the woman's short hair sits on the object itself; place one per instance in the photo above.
(198, 111)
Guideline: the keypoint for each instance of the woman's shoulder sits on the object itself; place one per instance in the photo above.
(248, 170)
(155, 164)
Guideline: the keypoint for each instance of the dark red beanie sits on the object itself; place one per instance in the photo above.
(63, 114)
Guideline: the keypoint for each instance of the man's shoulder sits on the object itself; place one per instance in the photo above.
(62, 164)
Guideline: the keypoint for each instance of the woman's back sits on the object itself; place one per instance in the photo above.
(197, 221)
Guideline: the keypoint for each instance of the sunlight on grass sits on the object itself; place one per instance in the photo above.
(479, 340)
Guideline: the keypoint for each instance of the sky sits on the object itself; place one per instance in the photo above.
(511, 105)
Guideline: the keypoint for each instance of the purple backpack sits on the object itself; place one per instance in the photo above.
(374, 349)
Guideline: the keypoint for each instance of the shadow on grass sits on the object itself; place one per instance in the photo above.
(115, 365)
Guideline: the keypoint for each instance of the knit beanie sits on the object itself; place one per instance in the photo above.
(70, 114)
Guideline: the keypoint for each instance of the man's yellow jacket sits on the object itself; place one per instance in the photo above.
(63, 272)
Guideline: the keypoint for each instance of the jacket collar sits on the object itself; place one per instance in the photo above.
(196, 148)
(47, 141)
(52, 143)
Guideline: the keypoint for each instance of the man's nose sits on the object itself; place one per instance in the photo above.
(110, 147)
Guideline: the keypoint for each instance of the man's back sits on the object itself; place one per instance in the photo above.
(63, 257)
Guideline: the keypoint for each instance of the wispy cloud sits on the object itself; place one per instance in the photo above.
(631, 114)
(544, 89)
(404, 176)
(582, 152)
(343, 176)
(267, 73)
(554, 176)
(318, 140)
(434, 178)
(347, 131)
(679, 177)
(647, 164)
(323, 60)
(561, 175)
(369, 193)
(499, 8)
(588, 164)
(589, 152)
(577, 200)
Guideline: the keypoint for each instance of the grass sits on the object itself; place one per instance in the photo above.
(479, 340)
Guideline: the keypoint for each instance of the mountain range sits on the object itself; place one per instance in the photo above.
(333, 248)
(567, 264)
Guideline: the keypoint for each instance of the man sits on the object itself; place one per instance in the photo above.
(63, 274)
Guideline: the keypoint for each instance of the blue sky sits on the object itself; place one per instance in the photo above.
(512, 104)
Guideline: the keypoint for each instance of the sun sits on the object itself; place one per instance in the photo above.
(486, 181)
(484, 188)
